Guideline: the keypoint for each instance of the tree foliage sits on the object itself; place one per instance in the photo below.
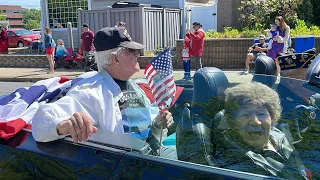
(305, 11)
(260, 13)
(2, 18)
(31, 18)
(316, 12)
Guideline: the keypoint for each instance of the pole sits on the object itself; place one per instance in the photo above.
(70, 36)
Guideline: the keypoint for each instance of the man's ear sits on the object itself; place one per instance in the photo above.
(114, 60)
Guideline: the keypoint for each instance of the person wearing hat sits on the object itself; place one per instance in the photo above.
(105, 100)
(255, 50)
(4, 41)
(196, 43)
(86, 42)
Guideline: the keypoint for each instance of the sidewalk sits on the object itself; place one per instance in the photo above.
(36, 74)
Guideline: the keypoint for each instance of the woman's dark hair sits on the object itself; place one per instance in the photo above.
(48, 30)
(197, 24)
(283, 25)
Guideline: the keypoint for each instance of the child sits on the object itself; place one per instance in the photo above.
(273, 34)
(186, 58)
(61, 51)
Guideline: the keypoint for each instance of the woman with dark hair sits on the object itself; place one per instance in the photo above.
(280, 42)
(196, 43)
(49, 45)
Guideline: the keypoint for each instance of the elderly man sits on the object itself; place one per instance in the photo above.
(105, 100)
(255, 50)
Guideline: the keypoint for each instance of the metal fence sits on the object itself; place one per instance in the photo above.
(149, 26)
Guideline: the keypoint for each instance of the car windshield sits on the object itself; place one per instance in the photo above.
(257, 124)
(254, 125)
(23, 32)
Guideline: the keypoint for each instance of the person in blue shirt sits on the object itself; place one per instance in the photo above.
(49, 45)
(61, 51)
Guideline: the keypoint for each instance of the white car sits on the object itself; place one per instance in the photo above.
(36, 31)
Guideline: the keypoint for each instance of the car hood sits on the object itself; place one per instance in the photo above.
(32, 36)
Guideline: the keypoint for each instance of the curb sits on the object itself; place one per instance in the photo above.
(15, 79)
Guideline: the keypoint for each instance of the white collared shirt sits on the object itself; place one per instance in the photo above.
(97, 95)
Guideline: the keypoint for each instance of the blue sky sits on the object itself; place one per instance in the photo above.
(24, 3)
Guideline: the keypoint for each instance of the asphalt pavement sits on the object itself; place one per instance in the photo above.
(13, 78)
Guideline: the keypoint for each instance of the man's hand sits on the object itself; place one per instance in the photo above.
(164, 119)
(79, 126)
(257, 49)
(187, 30)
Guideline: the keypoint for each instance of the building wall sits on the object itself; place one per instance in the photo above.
(14, 15)
(228, 14)
(102, 4)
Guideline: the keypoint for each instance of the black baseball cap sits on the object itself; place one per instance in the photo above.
(113, 37)
(85, 25)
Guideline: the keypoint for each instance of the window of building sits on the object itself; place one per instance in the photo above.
(63, 11)
(13, 11)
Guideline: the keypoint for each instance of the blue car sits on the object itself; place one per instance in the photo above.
(202, 141)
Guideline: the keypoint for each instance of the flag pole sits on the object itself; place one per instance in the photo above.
(160, 140)
(161, 133)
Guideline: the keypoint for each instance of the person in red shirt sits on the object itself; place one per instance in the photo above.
(197, 43)
(186, 58)
(86, 42)
(4, 41)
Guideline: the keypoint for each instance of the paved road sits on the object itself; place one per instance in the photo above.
(7, 87)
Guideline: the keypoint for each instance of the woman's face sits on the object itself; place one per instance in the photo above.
(253, 124)
(277, 22)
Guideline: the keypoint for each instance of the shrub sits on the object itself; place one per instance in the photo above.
(262, 12)
(233, 33)
(301, 28)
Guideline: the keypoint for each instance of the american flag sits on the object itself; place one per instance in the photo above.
(159, 75)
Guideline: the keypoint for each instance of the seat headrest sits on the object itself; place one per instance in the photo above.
(265, 71)
(265, 65)
(313, 72)
(209, 82)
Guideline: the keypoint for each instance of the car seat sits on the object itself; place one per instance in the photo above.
(194, 131)
(265, 71)
(313, 73)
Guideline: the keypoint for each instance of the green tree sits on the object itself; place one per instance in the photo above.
(316, 12)
(260, 13)
(2, 18)
(31, 18)
(305, 11)
(31, 24)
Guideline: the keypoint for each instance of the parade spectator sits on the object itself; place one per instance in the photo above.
(86, 42)
(280, 42)
(4, 41)
(255, 50)
(49, 45)
(121, 24)
(197, 43)
(61, 52)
